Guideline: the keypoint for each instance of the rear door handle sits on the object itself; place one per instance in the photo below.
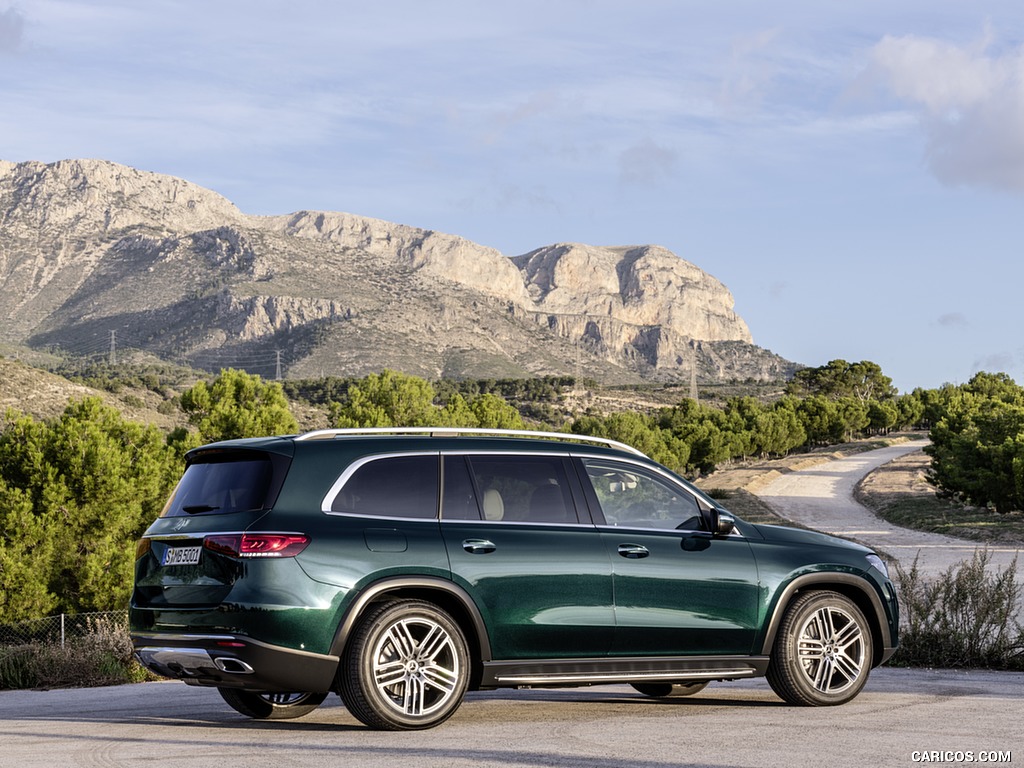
(478, 546)
(633, 551)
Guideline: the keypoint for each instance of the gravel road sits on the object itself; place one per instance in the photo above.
(821, 497)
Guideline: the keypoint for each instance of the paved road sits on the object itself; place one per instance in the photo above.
(736, 724)
(821, 497)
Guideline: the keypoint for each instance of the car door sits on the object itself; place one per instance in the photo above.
(539, 574)
(678, 589)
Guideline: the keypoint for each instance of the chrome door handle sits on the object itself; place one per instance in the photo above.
(478, 546)
(633, 551)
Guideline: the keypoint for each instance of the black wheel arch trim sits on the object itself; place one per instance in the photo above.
(842, 583)
(419, 587)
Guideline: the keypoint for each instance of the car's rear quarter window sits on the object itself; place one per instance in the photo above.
(394, 486)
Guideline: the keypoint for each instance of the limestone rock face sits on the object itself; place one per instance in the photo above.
(644, 286)
(92, 251)
(447, 256)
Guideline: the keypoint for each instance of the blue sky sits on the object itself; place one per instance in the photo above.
(853, 172)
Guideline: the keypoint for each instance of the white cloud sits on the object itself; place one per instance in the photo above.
(646, 163)
(998, 362)
(970, 103)
(953, 320)
(12, 25)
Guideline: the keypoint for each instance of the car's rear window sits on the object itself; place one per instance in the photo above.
(223, 485)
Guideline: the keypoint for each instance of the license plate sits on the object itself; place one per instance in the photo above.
(182, 556)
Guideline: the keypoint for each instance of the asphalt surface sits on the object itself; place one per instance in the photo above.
(900, 712)
(821, 497)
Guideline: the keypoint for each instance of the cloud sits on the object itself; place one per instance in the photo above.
(952, 320)
(646, 163)
(749, 72)
(970, 103)
(12, 24)
(1000, 362)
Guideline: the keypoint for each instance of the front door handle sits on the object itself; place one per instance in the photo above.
(633, 551)
(478, 546)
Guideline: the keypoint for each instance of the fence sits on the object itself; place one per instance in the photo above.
(61, 629)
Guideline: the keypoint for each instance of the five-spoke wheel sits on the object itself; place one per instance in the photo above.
(406, 667)
(823, 651)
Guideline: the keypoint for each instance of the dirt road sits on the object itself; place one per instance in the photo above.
(821, 497)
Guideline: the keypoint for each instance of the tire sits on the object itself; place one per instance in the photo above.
(661, 690)
(271, 706)
(823, 651)
(406, 667)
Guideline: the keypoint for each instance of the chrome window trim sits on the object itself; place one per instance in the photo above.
(654, 469)
(345, 476)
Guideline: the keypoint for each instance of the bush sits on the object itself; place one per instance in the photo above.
(965, 618)
(102, 656)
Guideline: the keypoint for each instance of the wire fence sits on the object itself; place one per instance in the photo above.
(62, 629)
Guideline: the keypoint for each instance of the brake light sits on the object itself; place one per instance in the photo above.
(257, 544)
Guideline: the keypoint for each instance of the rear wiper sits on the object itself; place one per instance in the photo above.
(194, 508)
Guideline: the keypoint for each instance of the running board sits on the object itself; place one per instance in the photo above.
(559, 672)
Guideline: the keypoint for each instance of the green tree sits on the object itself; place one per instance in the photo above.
(237, 404)
(77, 493)
(882, 416)
(839, 379)
(26, 556)
(388, 399)
(977, 444)
(493, 412)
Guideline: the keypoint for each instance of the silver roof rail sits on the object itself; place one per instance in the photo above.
(325, 434)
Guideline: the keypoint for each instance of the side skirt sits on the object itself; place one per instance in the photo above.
(670, 669)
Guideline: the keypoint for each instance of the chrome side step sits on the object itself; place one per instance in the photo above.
(558, 672)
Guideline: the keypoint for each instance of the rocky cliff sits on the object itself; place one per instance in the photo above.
(93, 254)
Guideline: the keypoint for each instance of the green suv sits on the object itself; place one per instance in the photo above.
(401, 568)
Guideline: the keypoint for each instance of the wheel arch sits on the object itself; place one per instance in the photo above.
(446, 595)
(851, 586)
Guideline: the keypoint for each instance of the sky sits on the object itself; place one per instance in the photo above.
(852, 172)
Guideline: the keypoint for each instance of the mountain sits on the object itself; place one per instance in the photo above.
(97, 257)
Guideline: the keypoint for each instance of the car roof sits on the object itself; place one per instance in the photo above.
(428, 437)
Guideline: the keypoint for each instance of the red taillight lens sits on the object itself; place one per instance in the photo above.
(142, 548)
(257, 544)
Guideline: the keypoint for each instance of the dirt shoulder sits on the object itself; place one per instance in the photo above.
(898, 492)
(737, 484)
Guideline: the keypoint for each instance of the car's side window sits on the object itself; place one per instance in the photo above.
(527, 489)
(391, 486)
(458, 499)
(631, 496)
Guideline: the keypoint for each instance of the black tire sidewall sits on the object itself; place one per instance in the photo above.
(253, 704)
(357, 688)
(786, 677)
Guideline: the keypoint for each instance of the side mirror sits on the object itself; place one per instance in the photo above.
(722, 522)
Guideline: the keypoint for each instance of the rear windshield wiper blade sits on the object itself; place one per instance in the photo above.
(194, 508)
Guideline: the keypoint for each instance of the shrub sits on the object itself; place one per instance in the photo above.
(103, 656)
(965, 618)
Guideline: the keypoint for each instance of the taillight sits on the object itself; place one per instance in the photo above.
(257, 544)
(142, 548)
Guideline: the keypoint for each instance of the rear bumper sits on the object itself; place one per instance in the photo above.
(234, 661)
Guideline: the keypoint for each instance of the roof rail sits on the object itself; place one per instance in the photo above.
(325, 434)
